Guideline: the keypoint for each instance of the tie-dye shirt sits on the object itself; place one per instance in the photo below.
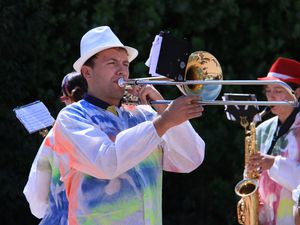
(276, 184)
(112, 164)
(44, 190)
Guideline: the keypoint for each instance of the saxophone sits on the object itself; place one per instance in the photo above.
(247, 189)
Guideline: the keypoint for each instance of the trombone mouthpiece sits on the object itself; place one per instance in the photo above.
(121, 82)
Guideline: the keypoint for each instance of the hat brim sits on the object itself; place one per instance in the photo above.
(291, 80)
(132, 54)
(268, 78)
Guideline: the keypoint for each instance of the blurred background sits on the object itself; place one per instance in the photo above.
(39, 42)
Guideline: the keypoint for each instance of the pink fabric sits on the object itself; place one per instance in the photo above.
(267, 188)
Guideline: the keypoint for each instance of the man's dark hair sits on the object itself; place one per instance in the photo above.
(90, 62)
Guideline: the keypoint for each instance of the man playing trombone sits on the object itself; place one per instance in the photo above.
(279, 143)
(112, 156)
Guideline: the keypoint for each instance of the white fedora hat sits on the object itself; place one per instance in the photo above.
(97, 40)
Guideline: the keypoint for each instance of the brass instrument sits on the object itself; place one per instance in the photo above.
(247, 189)
(203, 76)
(204, 66)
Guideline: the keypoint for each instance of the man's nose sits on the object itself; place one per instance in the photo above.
(122, 71)
(121, 74)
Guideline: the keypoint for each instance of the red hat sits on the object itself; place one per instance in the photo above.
(284, 69)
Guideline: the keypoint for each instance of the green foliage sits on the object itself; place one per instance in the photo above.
(39, 43)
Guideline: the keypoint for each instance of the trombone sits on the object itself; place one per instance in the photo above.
(203, 77)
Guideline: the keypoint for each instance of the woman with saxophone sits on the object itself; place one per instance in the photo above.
(278, 138)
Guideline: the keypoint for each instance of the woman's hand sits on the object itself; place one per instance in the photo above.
(260, 162)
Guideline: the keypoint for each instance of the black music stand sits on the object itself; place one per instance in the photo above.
(249, 113)
(169, 56)
(173, 56)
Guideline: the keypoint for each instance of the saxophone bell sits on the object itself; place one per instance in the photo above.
(247, 207)
(246, 187)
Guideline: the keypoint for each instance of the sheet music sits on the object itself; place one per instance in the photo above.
(154, 55)
(34, 116)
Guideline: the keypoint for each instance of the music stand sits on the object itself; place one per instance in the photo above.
(34, 117)
(242, 113)
(168, 56)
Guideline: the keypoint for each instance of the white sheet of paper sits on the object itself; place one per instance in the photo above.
(34, 116)
(154, 55)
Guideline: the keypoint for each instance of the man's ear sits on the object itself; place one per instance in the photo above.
(86, 72)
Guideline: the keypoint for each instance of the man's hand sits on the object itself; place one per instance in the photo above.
(180, 110)
(147, 93)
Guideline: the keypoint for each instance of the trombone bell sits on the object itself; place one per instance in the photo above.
(202, 66)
